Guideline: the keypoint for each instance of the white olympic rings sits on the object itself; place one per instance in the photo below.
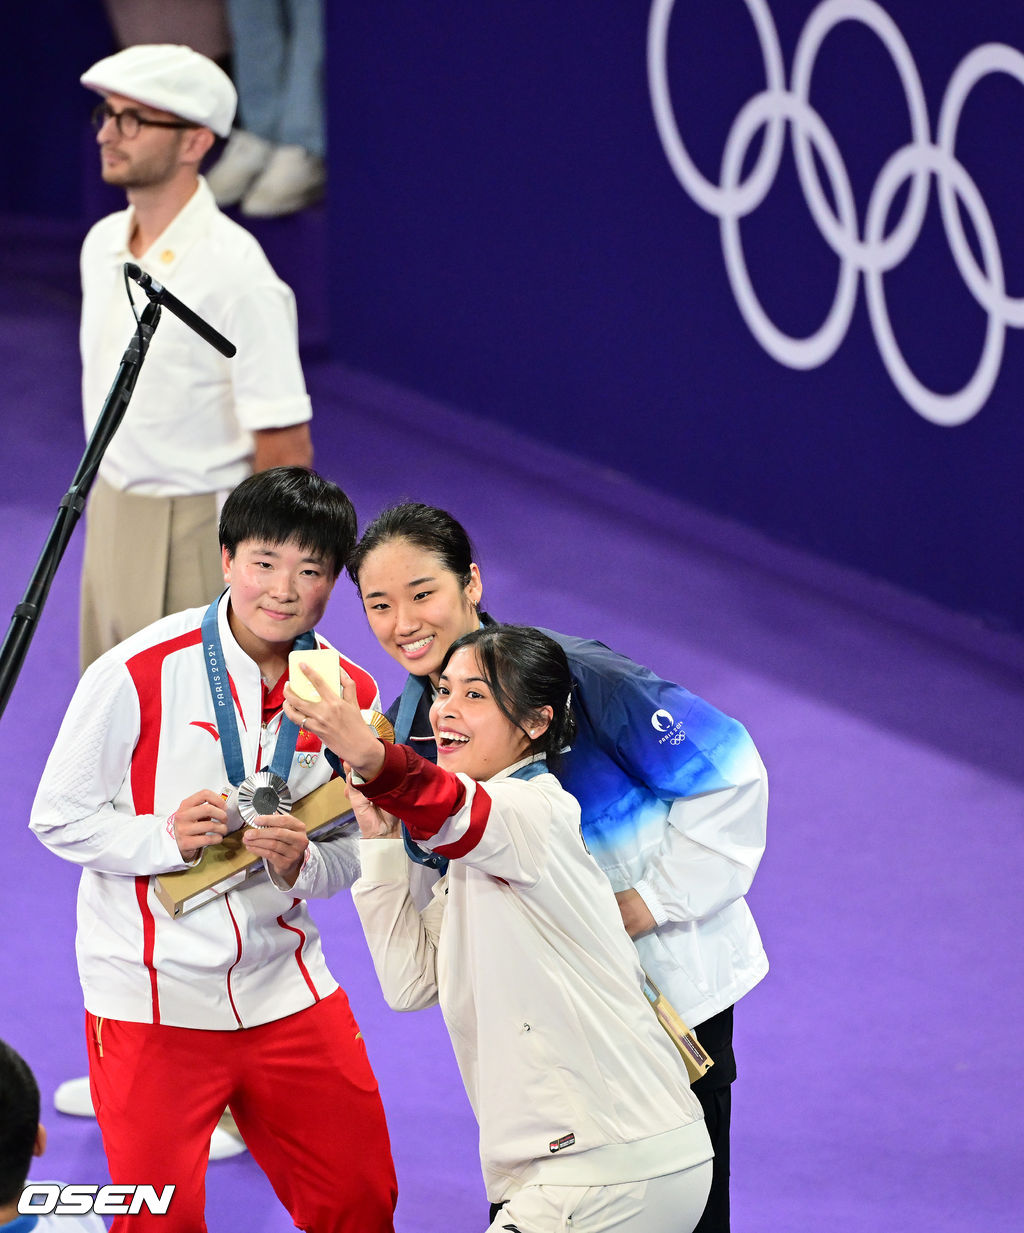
(871, 253)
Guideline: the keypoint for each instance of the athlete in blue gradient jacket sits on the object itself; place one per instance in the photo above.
(673, 793)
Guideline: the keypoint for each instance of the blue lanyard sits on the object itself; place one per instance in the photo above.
(224, 707)
(413, 692)
(531, 770)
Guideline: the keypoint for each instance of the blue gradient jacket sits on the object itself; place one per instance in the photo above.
(674, 800)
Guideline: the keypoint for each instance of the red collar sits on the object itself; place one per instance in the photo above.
(273, 699)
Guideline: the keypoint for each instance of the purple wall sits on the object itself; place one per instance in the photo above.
(46, 46)
(507, 234)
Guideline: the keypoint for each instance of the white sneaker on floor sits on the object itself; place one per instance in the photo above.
(73, 1097)
(291, 180)
(226, 1140)
(244, 157)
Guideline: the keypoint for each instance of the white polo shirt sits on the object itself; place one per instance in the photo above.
(188, 428)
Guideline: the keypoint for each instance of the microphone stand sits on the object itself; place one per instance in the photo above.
(27, 613)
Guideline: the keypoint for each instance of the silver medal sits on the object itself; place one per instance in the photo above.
(262, 793)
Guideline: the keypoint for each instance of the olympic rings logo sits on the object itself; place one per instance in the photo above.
(866, 250)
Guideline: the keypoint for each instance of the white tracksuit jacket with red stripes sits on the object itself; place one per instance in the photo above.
(138, 738)
(571, 1077)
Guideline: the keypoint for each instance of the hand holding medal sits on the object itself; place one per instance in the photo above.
(253, 817)
(199, 821)
(282, 842)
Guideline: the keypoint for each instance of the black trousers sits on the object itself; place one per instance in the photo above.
(715, 1096)
(714, 1092)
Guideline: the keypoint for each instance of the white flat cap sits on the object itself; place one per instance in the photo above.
(171, 78)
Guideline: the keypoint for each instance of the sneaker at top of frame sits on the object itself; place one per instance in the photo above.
(244, 157)
(291, 180)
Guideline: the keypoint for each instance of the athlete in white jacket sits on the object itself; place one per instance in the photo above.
(232, 1003)
(138, 732)
(584, 1104)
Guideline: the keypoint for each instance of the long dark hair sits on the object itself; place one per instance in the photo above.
(525, 670)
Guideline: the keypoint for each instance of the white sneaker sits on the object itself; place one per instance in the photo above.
(244, 157)
(73, 1097)
(291, 180)
(226, 1139)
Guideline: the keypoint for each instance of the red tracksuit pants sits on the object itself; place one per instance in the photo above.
(302, 1093)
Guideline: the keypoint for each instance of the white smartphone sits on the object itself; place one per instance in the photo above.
(324, 662)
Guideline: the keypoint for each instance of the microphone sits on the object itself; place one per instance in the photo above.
(160, 295)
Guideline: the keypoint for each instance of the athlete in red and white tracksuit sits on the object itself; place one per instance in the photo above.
(247, 1009)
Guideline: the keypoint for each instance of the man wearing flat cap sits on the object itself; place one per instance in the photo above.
(197, 423)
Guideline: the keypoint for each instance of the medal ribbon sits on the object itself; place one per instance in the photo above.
(224, 706)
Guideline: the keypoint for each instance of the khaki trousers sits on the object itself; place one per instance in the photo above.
(145, 557)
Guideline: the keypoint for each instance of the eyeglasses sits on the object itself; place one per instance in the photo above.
(129, 121)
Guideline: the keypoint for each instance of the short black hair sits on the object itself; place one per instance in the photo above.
(426, 526)
(19, 1122)
(291, 503)
(525, 670)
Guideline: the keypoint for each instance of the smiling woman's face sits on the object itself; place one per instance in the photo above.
(278, 591)
(473, 735)
(415, 605)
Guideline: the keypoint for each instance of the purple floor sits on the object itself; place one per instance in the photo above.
(880, 1073)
